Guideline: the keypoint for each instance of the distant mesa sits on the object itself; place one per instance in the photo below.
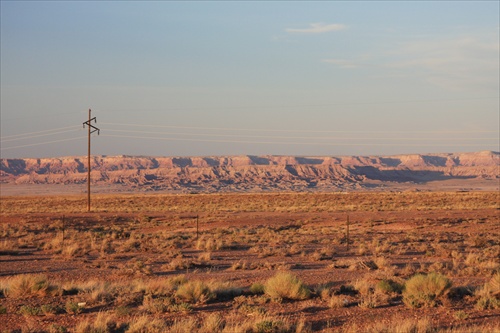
(259, 173)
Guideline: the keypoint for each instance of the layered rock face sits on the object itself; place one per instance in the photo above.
(252, 173)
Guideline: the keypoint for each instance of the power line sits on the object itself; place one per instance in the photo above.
(41, 115)
(298, 143)
(42, 143)
(295, 137)
(37, 136)
(284, 130)
(37, 132)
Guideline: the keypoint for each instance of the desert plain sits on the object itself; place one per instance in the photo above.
(405, 257)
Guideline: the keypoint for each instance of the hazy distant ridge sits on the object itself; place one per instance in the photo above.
(244, 173)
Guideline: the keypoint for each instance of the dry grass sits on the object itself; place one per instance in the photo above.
(425, 290)
(285, 285)
(29, 285)
(282, 202)
(195, 291)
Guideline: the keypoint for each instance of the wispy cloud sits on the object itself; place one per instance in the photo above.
(451, 63)
(317, 28)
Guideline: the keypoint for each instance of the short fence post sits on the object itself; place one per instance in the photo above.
(347, 233)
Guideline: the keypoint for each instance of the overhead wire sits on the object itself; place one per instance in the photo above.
(291, 137)
(287, 143)
(37, 132)
(228, 130)
(42, 143)
(37, 136)
(284, 130)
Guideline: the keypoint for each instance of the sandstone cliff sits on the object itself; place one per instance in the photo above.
(250, 173)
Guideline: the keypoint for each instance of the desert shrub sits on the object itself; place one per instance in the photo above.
(156, 305)
(144, 324)
(3, 309)
(73, 250)
(257, 288)
(180, 263)
(251, 309)
(489, 294)
(399, 325)
(381, 262)
(494, 284)
(27, 310)
(271, 325)
(183, 326)
(195, 292)
(30, 285)
(425, 290)
(55, 328)
(213, 322)
(205, 257)
(369, 301)
(487, 302)
(73, 307)
(323, 291)
(460, 315)
(364, 286)
(388, 286)
(49, 309)
(159, 286)
(285, 285)
(100, 292)
(102, 323)
(180, 307)
(337, 301)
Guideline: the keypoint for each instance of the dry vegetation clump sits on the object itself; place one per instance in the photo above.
(103, 322)
(146, 324)
(30, 285)
(195, 292)
(425, 290)
(285, 285)
(488, 296)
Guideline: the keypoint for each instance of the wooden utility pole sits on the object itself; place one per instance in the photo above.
(92, 129)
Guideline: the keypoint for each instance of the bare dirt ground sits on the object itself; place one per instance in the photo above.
(341, 246)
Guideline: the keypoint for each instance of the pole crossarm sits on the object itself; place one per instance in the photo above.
(93, 128)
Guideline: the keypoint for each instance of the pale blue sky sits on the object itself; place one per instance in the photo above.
(231, 78)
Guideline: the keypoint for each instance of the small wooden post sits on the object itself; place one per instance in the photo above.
(347, 233)
(63, 230)
(197, 217)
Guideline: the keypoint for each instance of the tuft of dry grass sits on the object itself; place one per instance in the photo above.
(285, 285)
(103, 322)
(27, 285)
(146, 324)
(425, 290)
(195, 291)
(489, 294)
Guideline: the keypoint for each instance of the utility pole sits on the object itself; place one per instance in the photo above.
(92, 129)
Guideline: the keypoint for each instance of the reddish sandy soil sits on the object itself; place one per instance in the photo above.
(410, 239)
